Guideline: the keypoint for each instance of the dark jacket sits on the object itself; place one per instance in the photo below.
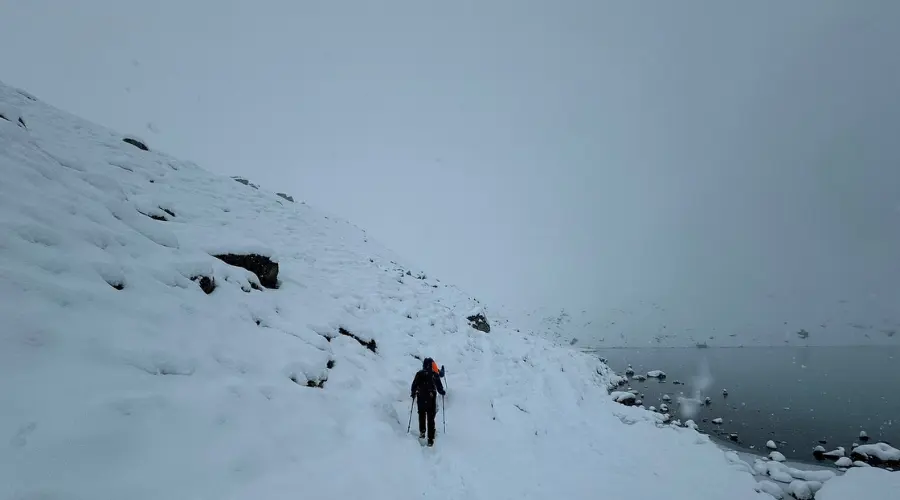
(426, 384)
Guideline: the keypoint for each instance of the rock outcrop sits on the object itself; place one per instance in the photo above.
(263, 267)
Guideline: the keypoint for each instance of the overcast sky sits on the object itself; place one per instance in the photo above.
(582, 154)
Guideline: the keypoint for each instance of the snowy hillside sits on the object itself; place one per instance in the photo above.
(136, 364)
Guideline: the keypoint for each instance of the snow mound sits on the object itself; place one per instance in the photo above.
(656, 374)
(138, 365)
(771, 445)
(862, 484)
(777, 456)
(843, 462)
(771, 488)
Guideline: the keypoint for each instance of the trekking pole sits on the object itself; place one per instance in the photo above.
(410, 414)
(445, 376)
(444, 413)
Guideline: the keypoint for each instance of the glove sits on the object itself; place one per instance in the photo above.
(413, 396)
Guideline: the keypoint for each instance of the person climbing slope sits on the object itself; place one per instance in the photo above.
(425, 387)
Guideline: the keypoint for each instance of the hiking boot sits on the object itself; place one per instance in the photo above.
(431, 442)
(421, 435)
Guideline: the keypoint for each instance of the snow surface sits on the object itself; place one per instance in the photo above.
(159, 390)
(771, 488)
(862, 484)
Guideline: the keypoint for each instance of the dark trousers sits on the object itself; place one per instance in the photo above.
(427, 410)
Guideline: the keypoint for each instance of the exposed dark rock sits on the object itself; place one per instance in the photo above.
(19, 120)
(368, 344)
(286, 197)
(136, 143)
(261, 266)
(480, 323)
(330, 364)
(245, 182)
(166, 210)
(117, 285)
(803, 334)
(207, 284)
(309, 383)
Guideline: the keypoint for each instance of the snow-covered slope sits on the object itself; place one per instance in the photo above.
(121, 378)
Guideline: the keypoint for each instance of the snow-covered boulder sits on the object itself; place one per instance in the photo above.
(771, 445)
(624, 397)
(835, 453)
(664, 408)
(629, 371)
(777, 456)
(656, 374)
(863, 436)
(844, 462)
(666, 398)
(771, 488)
(717, 421)
(800, 490)
(877, 453)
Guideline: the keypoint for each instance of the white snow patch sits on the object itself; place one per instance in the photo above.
(717, 420)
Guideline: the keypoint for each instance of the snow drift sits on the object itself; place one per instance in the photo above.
(136, 364)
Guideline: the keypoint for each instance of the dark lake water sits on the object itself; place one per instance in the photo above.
(798, 395)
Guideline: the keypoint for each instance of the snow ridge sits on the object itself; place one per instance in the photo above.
(136, 364)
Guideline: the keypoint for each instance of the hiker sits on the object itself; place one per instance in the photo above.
(425, 386)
